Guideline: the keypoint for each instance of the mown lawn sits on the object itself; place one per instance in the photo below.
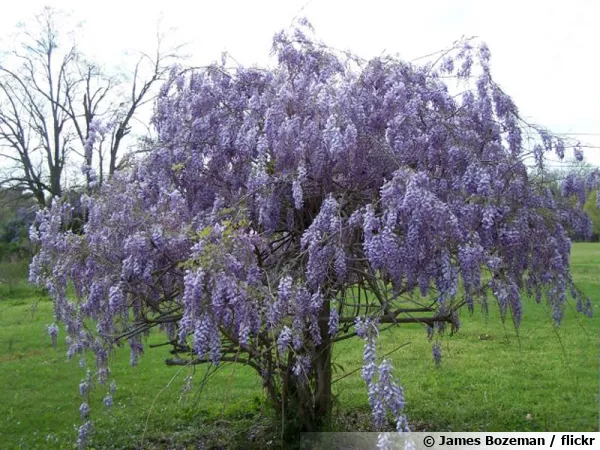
(492, 378)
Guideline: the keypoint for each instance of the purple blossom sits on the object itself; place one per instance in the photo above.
(84, 411)
(83, 434)
(316, 302)
(484, 186)
(340, 264)
(465, 68)
(484, 53)
(108, 401)
(315, 332)
(53, 333)
(514, 298)
(116, 299)
(203, 329)
(383, 441)
(136, 349)
(284, 339)
(488, 217)
(402, 426)
(436, 350)
(355, 219)
(430, 332)
(297, 188)
(560, 149)
(588, 309)
(302, 368)
(390, 390)
(578, 152)
(279, 307)
(447, 65)
(369, 367)
(334, 319)
(95, 131)
(297, 194)
(84, 388)
(284, 292)
(385, 394)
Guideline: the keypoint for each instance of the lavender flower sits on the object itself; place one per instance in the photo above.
(578, 152)
(83, 435)
(301, 368)
(383, 441)
(340, 264)
(297, 194)
(108, 401)
(53, 333)
(369, 367)
(84, 388)
(284, 339)
(436, 351)
(297, 188)
(84, 410)
(334, 318)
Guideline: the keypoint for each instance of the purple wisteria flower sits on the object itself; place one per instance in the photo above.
(436, 351)
(53, 333)
(84, 410)
(83, 435)
(108, 401)
(284, 340)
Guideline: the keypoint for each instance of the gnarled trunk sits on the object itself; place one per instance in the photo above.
(307, 404)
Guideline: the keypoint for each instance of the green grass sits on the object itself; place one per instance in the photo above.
(13, 280)
(491, 379)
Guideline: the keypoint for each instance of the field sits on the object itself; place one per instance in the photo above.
(491, 379)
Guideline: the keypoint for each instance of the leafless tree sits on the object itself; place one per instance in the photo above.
(58, 108)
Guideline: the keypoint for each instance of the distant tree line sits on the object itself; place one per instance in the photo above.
(64, 118)
(17, 213)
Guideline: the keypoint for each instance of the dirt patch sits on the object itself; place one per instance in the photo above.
(20, 355)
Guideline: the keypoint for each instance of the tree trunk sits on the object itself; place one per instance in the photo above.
(323, 395)
(322, 367)
(55, 181)
(307, 406)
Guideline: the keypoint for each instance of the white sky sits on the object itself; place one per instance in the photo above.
(545, 54)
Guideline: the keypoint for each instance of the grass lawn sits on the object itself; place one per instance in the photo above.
(491, 379)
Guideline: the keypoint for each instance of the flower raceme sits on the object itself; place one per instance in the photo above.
(283, 209)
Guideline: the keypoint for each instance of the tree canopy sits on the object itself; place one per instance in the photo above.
(285, 209)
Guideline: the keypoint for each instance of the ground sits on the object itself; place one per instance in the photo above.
(491, 379)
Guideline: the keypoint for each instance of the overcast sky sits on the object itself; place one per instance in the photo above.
(545, 53)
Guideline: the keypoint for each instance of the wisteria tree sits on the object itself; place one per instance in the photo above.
(286, 209)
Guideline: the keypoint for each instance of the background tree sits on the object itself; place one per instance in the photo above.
(60, 110)
(573, 172)
(285, 210)
(17, 213)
